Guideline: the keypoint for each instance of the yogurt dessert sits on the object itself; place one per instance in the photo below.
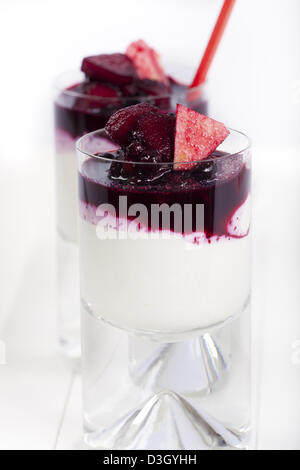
(165, 281)
(164, 221)
(85, 102)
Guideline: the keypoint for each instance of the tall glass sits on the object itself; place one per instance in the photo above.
(75, 115)
(165, 289)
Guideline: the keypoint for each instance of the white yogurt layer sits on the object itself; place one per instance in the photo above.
(167, 285)
(66, 195)
(66, 186)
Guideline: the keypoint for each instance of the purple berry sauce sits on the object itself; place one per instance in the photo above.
(92, 103)
(221, 184)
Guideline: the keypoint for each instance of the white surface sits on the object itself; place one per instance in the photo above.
(255, 87)
(34, 381)
(276, 299)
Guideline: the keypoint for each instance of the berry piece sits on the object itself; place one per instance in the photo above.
(146, 61)
(101, 90)
(196, 137)
(147, 87)
(156, 131)
(121, 124)
(152, 87)
(113, 68)
(130, 91)
(96, 95)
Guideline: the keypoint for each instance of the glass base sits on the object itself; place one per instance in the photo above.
(167, 421)
(141, 393)
(68, 298)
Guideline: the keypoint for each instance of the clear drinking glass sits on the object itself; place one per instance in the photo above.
(165, 290)
(77, 114)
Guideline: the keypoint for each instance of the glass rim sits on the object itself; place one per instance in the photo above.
(75, 94)
(246, 148)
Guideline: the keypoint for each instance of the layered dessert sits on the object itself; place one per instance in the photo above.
(107, 83)
(164, 220)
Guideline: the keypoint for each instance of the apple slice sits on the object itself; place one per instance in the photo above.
(196, 137)
(146, 61)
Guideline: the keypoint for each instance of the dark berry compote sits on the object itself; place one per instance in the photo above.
(161, 159)
(114, 81)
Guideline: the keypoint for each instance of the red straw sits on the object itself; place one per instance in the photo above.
(213, 43)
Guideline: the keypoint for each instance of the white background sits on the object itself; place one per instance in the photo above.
(255, 87)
